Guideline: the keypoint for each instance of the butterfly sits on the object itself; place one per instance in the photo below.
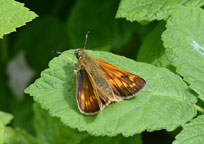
(98, 83)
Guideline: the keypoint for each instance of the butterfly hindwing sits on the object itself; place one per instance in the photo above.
(103, 99)
(124, 84)
(86, 95)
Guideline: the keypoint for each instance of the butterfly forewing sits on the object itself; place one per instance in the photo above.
(86, 95)
(123, 83)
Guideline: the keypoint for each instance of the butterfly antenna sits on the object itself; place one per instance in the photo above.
(87, 34)
(56, 52)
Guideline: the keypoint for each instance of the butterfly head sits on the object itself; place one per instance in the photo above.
(79, 53)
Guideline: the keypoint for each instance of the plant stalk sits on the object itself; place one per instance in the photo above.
(200, 109)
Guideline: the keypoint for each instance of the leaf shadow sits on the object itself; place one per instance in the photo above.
(90, 118)
(69, 90)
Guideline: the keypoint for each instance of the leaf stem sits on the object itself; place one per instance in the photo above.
(4, 51)
(200, 109)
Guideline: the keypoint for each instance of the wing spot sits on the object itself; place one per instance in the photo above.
(118, 82)
(125, 84)
(87, 103)
(91, 99)
(82, 96)
(117, 74)
(132, 77)
(133, 84)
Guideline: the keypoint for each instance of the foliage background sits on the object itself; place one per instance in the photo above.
(62, 25)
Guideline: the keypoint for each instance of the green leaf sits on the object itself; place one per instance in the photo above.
(113, 140)
(18, 136)
(13, 15)
(184, 42)
(50, 130)
(1, 133)
(5, 118)
(149, 10)
(38, 40)
(152, 50)
(99, 20)
(165, 102)
(192, 133)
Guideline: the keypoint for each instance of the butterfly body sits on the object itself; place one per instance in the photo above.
(100, 83)
(92, 68)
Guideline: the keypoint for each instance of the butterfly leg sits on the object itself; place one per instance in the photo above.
(74, 74)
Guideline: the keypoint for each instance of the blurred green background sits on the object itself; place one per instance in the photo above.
(62, 25)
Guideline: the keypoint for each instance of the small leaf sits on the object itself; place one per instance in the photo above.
(165, 102)
(192, 133)
(1, 133)
(13, 15)
(149, 10)
(18, 136)
(99, 20)
(50, 130)
(5, 118)
(184, 42)
(152, 50)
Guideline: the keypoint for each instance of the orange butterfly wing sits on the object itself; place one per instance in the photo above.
(87, 99)
(124, 84)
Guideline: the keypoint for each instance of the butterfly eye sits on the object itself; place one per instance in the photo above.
(78, 55)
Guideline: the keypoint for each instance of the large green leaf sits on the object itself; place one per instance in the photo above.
(12, 15)
(165, 102)
(50, 130)
(152, 50)
(184, 42)
(192, 133)
(5, 118)
(99, 19)
(148, 10)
